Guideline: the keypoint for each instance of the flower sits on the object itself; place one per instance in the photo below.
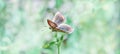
(57, 25)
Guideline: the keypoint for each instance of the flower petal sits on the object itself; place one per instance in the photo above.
(58, 18)
(51, 24)
(66, 28)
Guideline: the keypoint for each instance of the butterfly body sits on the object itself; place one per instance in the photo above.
(57, 25)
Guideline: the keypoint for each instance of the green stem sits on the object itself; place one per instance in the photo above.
(58, 49)
(58, 43)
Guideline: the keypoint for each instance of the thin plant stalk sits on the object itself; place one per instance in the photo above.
(58, 46)
(58, 41)
(58, 49)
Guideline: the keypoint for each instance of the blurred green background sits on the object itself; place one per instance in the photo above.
(24, 28)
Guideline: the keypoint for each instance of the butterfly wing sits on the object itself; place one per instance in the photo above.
(51, 24)
(58, 18)
(65, 28)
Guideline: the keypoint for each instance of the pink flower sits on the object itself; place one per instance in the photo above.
(57, 25)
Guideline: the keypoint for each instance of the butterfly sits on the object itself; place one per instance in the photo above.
(57, 24)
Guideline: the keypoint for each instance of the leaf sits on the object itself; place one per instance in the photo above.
(61, 38)
(48, 45)
(57, 40)
(52, 43)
